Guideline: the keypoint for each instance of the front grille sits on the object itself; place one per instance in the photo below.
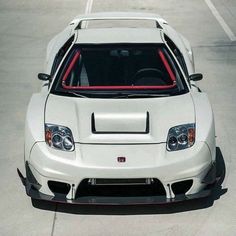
(120, 188)
(142, 181)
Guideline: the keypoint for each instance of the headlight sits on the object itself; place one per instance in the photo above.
(59, 137)
(181, 137)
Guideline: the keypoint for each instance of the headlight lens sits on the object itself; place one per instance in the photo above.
(181, 137)
(59, 137)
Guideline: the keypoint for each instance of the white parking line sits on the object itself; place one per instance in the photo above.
(221, 21)
(89, 5)
(88, 9)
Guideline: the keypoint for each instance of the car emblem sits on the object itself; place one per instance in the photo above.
(121, 159)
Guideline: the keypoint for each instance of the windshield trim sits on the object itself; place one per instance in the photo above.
(140, 88)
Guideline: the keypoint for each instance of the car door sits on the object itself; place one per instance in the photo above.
(178, 55)
(57, 48)
(182, 46)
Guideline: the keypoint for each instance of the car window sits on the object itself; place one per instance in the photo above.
(119, 67)
(177, 54)
(61, 53)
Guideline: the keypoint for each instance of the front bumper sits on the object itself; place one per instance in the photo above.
(169, 167)
(32, 192)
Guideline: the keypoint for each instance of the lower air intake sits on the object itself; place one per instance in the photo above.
(120, 188)
(182, 187)
(59, 187)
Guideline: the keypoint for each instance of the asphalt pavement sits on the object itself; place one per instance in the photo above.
(26, 26)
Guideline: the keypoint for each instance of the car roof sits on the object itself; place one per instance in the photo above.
(118, 35)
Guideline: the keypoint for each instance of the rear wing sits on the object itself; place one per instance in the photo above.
(117, 16)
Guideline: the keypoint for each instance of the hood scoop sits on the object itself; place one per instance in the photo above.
(120, 123)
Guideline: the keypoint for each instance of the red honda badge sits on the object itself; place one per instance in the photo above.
(121, 159)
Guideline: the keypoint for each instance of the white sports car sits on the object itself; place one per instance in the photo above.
(119, 119)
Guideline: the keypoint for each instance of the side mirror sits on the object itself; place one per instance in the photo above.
(196, 77)
(44, 77)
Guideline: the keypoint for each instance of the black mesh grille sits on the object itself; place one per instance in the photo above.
(120, 181)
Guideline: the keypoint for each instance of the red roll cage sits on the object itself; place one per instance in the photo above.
(129, 87)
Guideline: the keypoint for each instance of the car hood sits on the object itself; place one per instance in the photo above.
(130, 120)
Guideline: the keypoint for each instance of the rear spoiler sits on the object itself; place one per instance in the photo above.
(117, 16)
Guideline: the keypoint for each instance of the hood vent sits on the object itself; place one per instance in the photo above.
(120, 123)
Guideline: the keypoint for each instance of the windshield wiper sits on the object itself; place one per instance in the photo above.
(117, 95)
(77, 94)
(139, 95)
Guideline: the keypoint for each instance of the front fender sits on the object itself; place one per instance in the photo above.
(205, 125)
(34, 124)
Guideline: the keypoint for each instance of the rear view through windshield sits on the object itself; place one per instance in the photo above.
(118, 68)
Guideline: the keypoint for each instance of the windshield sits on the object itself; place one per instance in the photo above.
(101, 70)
